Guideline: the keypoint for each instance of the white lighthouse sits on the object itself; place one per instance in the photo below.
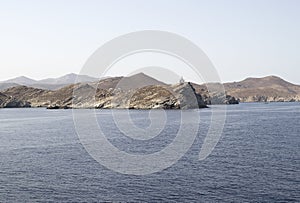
(181, 81)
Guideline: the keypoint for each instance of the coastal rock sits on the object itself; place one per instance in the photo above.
(187, 96)
(17, 104)
(231, 100)
(11, 102)
(153, 97)
(214, 93)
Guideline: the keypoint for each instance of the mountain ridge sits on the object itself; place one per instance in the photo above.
(48, 83)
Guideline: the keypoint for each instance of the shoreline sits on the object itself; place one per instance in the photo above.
(206, 107)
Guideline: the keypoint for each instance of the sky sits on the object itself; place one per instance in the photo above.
(255, 38)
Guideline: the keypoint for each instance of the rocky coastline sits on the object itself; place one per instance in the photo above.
(179, 96)
(143, 92)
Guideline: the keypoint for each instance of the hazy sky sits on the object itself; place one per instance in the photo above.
(242, 38)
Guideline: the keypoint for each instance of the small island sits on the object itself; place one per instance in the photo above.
(141, 91)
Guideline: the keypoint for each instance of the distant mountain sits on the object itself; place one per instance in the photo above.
(267, 81)
(22, 80)
(68, 79)
(4, 86)
(50, 83)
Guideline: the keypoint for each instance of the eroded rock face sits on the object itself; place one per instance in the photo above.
(187, 96)
(153, 97)
(214, 93)
(11, 102)
(231, 100)
(3, 99)
(17, 104)
(179, 96)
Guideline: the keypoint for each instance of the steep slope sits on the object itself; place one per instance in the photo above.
(3, 99)
(215, 94)
(25, 93)
(11, 102)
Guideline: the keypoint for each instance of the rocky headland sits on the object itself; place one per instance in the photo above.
(141, 91)
(135, 92)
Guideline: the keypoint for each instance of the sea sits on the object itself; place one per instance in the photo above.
(256, 159)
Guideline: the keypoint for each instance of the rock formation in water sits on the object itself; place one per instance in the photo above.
(214, 93)
(179, 96)
(136, 92)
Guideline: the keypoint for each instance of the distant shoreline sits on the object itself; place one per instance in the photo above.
(208, 106)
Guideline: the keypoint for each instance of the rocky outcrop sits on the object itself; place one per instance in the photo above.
(11, 102)
(214, 93)
(187, 96)
(150, 97)
(231, 100)
(179, 96)
(17, 104)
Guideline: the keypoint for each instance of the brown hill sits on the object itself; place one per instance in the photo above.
(266, 89)
(127, 83)
(24, 93)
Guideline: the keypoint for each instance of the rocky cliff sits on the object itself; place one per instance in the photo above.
(11, 102)
(215, 94)
(161, 96)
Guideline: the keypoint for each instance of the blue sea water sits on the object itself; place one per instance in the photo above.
(256, 160)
